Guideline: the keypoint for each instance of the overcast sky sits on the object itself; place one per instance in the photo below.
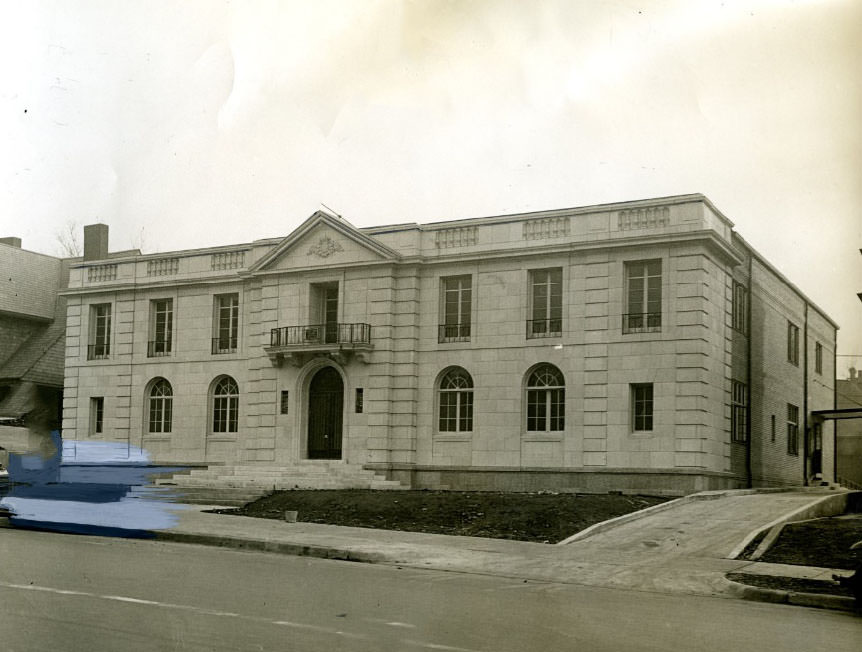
(188, 124)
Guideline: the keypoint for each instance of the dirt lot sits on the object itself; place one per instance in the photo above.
(824, 542)
(538, 517)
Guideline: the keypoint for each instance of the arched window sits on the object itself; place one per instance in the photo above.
(225, 405)
(456, 401)
(160, 400)
(546, 400)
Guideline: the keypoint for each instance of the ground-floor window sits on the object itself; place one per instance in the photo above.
(642, 407)
(546, 400)
(161, 402)
(792, 429)
(456, 401)
(225, 405)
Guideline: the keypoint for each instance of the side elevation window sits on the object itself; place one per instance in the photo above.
(792, 343)
(546, 303)
(642, 407)
(225, 405)
(99, 346)
(818, 358)
(740, 307)
(739, 412)
(225, 323)
(97, 414)
(160, 406)
(546, 400)
(457, 302)
(643, 297)
(792, 429)
(161, 327)
(456, 401)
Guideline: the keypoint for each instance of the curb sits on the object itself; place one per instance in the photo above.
(284, 548)
(797, 598)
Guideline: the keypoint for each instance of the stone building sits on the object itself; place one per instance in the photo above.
(635, 346)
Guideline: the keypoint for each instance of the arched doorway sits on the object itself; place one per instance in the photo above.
(325, 406)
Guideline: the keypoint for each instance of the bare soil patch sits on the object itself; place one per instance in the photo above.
(538, 517)
(823, 542)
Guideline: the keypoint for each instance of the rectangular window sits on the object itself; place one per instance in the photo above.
(97, 414)
(740, 307)
(161, 327)
(225, 323)
(818, 358)
(546, 303)
(792, 430)
(457, 300)
(792, 343)
(284, 401)
(772, 427)
(739, 412)
(359, 400)
(99, 347)
(643, 297)
(642, 407)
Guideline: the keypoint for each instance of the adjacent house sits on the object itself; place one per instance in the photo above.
(635, 346)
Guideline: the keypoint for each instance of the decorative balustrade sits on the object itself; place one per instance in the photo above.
(462, 236)
(163, 267)
(642, 322)
(643, 218)
(227, 260)
(98, 273)
(545, 228)
(544, 328)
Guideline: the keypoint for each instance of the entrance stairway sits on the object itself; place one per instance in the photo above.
(236, 485)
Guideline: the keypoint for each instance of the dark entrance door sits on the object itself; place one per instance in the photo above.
(325, 404)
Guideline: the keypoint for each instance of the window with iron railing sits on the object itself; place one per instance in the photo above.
(546, 303)
(161, 328)
(225, 323)
(643, 297)
(457, 303)
(99, 346)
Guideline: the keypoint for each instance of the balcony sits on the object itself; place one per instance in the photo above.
(335, 340)
(544, 328)
(158, 348)
(453, 333)
(642, 322)
(98, 351)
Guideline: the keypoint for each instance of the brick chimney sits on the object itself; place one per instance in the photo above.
(95, 242)
(12, 242)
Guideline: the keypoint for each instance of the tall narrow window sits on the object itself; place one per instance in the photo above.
(792, 429)
(818, 358)
(642, 407)
(97, 414)
(285, 401)
(225, 323)
(792, 343)
(546, 303)
(360, 400)
(225, 405)
(161, 403)
(161, 327)
(457, 304)
(456, 401)
(546, 400)
(739, 412)
(740, 307)
(643, 297)
(100, 332)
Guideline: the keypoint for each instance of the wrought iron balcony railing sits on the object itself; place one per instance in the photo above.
(158, 348)
(98, 351)
(224, 345)
(317, 334)
(642, 322)
(544, 328)
(453, 333)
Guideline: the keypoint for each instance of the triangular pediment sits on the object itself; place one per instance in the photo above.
(324, 239)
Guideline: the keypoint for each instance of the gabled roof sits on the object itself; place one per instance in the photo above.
(339, 225)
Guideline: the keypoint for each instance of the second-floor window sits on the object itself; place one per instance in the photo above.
(740, 307)
(99, 346)
(643, 297)
(818, 358)
(546, 303)
(792, 343)
(225, 323)
(457, 304)
(161, 327)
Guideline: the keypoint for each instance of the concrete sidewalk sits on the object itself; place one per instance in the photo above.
(680, 548)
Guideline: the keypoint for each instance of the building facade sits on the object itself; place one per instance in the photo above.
(638, 346)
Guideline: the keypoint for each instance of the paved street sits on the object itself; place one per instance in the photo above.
(84, 593)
